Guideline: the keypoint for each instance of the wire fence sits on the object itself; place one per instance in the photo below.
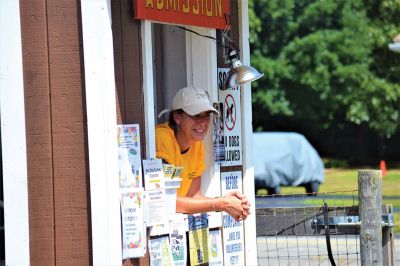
(291, 229)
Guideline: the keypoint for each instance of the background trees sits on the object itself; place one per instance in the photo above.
(328, 74)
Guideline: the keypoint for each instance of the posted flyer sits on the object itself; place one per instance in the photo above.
(155, 210)
(153, 174)
(198, 239)
(129, 158)
(218, 133)
(215, 245)
(133, 228)
(232, 231)
(177, 236)
(160, 254)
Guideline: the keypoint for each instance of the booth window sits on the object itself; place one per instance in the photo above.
(170, 73)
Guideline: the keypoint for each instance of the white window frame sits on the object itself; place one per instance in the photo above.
(13, 136)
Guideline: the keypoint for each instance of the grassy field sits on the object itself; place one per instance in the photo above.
(339, 180)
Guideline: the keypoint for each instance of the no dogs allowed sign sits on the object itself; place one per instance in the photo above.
(232, 120)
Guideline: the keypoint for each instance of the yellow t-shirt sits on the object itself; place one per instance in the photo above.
(167, 148)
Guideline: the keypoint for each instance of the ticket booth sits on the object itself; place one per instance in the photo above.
(83, 70)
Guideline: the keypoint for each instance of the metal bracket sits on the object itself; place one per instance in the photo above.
(350, 221)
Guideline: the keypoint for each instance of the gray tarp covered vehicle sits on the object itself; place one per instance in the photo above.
(285, 159)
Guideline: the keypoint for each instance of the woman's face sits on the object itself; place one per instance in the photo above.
(193, 128)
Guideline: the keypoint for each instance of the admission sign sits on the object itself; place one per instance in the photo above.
(202, 13)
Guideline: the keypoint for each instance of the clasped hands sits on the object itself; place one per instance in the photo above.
(237, 205)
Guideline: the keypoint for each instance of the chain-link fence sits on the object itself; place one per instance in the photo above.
(322, 229)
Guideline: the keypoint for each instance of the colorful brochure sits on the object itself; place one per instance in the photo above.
(133, 228)
(129, 158)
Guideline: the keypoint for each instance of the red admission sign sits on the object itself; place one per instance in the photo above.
(202, 13)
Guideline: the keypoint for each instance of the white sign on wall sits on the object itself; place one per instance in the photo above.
(232, 120)
(232, 231)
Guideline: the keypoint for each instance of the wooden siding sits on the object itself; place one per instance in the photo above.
(58, 178)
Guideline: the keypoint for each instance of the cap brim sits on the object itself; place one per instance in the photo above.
(200, 108)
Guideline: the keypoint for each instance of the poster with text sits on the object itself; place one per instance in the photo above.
(129, 158)
(159, 252)
(232, 231)
(153, 174)
(155, 207)
(133, 228)
(231, 120)
(198, 239)
(215, 247)
(218, 133)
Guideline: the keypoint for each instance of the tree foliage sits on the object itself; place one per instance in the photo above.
(327, 62)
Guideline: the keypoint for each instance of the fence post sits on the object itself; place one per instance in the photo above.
(388, 239)
(370, 209)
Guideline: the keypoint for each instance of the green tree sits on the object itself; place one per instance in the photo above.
(326, 62)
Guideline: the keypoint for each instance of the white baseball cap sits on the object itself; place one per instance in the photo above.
(191, 100)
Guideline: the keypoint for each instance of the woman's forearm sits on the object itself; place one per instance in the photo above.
(197, 204)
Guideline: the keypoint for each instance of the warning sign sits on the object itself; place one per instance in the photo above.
(232, 121)
(230, 118)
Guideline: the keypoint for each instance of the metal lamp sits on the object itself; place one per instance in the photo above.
(239, 74)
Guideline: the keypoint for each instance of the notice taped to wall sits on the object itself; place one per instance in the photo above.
(160, 254)
(177, 236)
(198, 239)
(133, 228)
(129, 158)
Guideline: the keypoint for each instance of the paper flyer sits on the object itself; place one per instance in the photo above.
(129, 158)
(215, 245)
(218, 133)
(177, 236)
(198, 239)
(160, 254)
(232, 231)
(155, 207)
(133, 229)
(153, 174)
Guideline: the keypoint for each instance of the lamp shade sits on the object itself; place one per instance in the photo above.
(240, 74)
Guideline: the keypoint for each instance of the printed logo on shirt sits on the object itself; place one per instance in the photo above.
(192, 175)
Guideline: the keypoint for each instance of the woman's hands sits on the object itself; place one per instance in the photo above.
(235, 204)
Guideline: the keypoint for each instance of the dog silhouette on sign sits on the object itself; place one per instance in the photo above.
(229, 113)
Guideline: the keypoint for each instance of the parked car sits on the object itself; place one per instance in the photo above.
(285, 159)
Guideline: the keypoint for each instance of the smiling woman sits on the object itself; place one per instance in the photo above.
(180, 142)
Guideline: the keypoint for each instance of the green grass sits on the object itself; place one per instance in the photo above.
(340, 180)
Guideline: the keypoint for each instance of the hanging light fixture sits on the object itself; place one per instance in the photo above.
(238, 74)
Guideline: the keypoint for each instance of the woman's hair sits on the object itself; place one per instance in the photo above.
(171, 120)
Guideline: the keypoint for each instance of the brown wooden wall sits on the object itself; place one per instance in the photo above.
(58, 177)
(128, 66)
